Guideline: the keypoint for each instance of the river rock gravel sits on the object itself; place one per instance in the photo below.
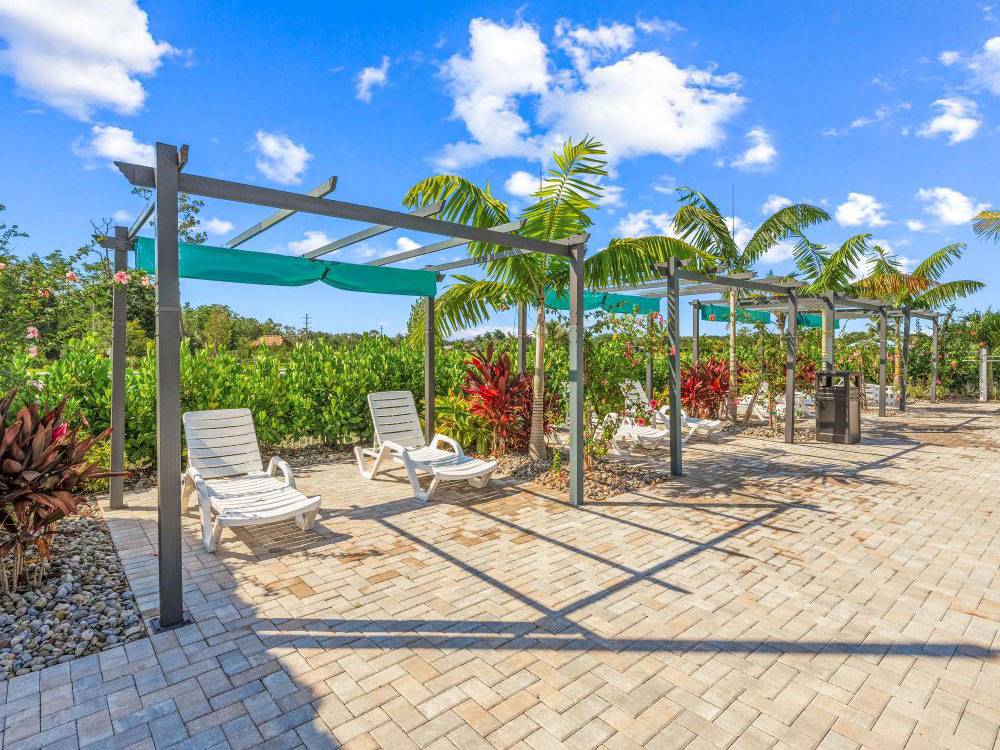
(83, 605)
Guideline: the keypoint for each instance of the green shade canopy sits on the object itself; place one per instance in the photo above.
(720, 313)
(619, 303)
(807, 320)
(272, 269)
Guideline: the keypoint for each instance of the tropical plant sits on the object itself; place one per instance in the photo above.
(705, 387)
(700, 222)
(454, 418)
(987, 225)
(920, 288)
(42, 469)
(560, 212)
(501, 397)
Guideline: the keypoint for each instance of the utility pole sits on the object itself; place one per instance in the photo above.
(305, 330)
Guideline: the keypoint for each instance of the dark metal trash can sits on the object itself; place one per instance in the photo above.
(838, 407)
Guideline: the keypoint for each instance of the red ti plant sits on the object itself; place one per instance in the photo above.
(502, 397)
(704, 387)
(42, 468)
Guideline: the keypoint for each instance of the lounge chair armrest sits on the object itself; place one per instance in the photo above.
(286, 470)
(439, 438)
(194, 482)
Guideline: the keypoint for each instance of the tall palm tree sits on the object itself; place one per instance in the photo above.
(920, 288)
(563, 202)
(987, 225)
(700, 222)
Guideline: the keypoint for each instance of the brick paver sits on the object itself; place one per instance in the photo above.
(799, 597)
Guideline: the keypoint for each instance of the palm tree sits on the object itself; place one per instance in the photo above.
(561, 209)
(987, 225)
(921, 288)
(699, 222)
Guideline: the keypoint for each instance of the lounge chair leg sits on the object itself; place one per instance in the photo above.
(211, 540)
(187, 488)
(376, 467)
(426, 496)
(306, 520)
(481, 482)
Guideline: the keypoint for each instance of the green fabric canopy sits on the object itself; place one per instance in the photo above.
(272, 269)
(619, 303)
(720, 313)
(807, 320)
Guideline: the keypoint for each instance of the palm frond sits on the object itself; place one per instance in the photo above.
(946, 293)
(707, 229)
(464, 203)
(935, 264)
(470, 302)
(810, 258)
(630, 260)
(783, 224)
(837, 272)
(987, 225)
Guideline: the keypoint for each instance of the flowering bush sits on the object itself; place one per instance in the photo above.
(501, 397)
(42, 468)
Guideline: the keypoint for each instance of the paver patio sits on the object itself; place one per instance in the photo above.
(777, 596)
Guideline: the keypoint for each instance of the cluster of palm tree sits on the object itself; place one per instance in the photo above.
(572, 188)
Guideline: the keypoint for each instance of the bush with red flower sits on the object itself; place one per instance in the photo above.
(704, 387)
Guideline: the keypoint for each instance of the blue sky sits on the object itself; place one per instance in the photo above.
(886, 114)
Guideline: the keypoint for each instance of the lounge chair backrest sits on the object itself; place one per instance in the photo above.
(635, 395)
(222, 442)
(394, 414)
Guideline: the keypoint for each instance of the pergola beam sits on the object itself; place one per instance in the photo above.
(464, 262)
(210, 187)
(511, 226)
(320, 191)
(368, 232)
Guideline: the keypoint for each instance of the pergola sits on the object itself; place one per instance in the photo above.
(677, 281)
(168, 179)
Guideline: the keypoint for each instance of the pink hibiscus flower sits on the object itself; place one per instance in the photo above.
(32, 333)
(70, 276)
(121, 277)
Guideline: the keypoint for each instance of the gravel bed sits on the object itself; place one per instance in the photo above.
(83, 605)
(604, 478)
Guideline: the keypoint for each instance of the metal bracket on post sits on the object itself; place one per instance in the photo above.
(429, 375)
(674, 359)
(791, 356)
(168, 396)
(576, 392)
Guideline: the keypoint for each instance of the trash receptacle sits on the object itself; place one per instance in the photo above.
(838, 407)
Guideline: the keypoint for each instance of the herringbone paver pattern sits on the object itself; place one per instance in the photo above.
(812, 596)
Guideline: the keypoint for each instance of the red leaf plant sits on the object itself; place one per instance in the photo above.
(502, 397)
(704, 387)
(42, 470)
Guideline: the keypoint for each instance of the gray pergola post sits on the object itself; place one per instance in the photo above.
(119, 313)
(905, 360)
(934, 359)
(695, 333)
(168, 390)
(883, 325)
(430, 341)
(576, 393)
(674, 360)
(829, 321)
(791, 355)
(649, 368)
(522, 338)
(984, 375)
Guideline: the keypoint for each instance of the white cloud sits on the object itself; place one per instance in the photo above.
(860, 209)
(281, 160)
(759, 154)
(949, 57)
(640, 104)
(312, 241)
(985, 66)
(80, 55)
(959, 120)
(915, 225)
(658, 26)
(640, 223)
(521, 184)
(774, 203)
(778, 254)
(881, 113)
(113, 144)
(121, 215)
(217, 226)
(665, 184)
(405, 243)
(949, 206)
(611, 197)
(370, 78)
(584, 45)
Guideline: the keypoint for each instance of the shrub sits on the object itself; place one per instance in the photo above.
(502, 398)
(704, 387)
(42, 469)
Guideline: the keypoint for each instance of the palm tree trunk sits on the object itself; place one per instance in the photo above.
(537, 449)
(733, 385)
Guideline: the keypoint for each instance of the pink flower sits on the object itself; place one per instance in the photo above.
(70, 276)
(121, 277)
(147, 281)
(654, 404)
(32, 351)
(3, 266)
(32, 333)
(60, 431)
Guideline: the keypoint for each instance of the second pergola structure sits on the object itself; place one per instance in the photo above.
(677, 281)
(168, 180)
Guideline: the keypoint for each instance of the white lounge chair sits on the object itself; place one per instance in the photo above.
(635, 398)
(399, 438)
(224, 468)
(871, 396)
